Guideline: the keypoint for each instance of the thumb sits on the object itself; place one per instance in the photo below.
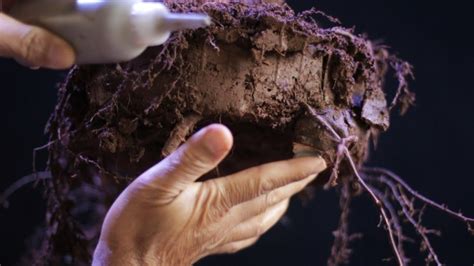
(33, 46)
(200, 154)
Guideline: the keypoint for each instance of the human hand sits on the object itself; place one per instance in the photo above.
(32, 46)
(165, 217)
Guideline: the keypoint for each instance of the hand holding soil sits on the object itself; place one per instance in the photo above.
(284, 83)
(165, 217)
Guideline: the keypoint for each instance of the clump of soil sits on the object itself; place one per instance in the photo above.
(280, 81)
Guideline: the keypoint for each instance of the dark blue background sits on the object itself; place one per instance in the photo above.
(431, 147)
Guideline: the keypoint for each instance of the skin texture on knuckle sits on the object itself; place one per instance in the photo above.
(225, 194)
(266, 180)
(271, 176)
(205, 241)
(151, 193)
(270, 183)
(274, 197)
(34, 47)
(173, 172)
(237, 193)
(255, 186)
(212, 201)
(192, 161)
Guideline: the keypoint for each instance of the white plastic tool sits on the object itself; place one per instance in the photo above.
(107, 31)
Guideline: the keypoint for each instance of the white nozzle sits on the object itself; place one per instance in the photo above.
(177, 21)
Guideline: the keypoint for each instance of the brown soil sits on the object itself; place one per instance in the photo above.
(255, 70)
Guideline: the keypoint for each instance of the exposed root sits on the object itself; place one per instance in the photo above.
(308, 14)
(403, 97)
(340, 251)
(405, 196)
(86, 160)
(408, 212)
(179, 133)
(395, 189)
(375, 198)
(374, 171)
(340, 154)
(36, 176)
(397, 225)
(36, 150)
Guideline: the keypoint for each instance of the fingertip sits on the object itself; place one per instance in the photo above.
(60, 54)
(200, 154)
(36, 47)
(217, 139)
(321, 163)
(314, 165)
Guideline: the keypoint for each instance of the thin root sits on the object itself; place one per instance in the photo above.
(340, 251)
(398, 191)
(380, 205)
(34, 177)
(179, 133)
(442, 207)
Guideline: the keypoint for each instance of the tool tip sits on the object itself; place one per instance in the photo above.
(176, 21)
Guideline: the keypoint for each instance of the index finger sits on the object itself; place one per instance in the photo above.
(32, 45)
(254, 182)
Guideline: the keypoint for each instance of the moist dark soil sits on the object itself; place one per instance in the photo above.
(256, 70)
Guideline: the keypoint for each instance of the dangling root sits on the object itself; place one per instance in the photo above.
(179, 133)
(339, 155)
(400, 192)
(403, 96)
(408, 214)
(34, 177)
(394, 189)
(378, 202)
(397, 225)
(340, 251)
(402, 185)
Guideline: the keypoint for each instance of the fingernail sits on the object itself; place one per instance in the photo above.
(319, 164)
(217, 141)
(302, 150)
(212, 146)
